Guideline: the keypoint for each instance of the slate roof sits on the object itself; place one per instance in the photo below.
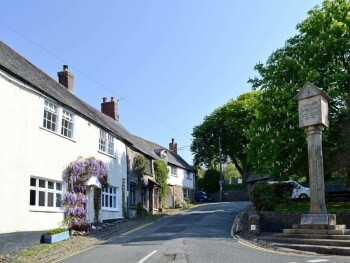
(256, 177)
(173, 158)
(19, 67)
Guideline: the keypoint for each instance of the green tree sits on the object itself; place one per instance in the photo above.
(227, 122)
(161, 172)
(210, 181)
(319, 53)
(230, 172)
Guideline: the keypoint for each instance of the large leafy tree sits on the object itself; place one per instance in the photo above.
(229, 123)
(319, 53)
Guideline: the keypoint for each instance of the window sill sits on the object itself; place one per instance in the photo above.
(53, 132)
(110, 209)
(46, 209)
(104, 153)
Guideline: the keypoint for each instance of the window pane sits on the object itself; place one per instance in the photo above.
(110, 201)
(58, 186)
(114, 202)
(110, 190)
(32, 182)
(32, 197)
(106, 200)
(58, 200)
(42, 183)
(41, 198)
(103, 200)
(50, 184)
(50, 199)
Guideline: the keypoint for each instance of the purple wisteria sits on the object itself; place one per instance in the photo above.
(77, 174)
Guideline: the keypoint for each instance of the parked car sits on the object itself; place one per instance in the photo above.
(299, 191)
(202, 197)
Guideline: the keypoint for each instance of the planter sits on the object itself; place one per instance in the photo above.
(50, 239)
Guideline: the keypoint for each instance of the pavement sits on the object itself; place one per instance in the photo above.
(26, 247)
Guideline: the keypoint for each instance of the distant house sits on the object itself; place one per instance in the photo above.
(45, 127)
(253, 178)
(181, 179)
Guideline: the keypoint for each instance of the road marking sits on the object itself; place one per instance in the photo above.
(318, 260)
(148, 256)
(243, 242)
(103, 242)
(135, 229)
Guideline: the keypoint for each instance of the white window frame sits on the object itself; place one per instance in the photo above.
(106, 143)
(50, 119)
(107, 195)
(102, 141)
(186, 193)
(188, 175)
(110, 144)
(172, 169)
(56, 190)
(67, 124)
(63, 122)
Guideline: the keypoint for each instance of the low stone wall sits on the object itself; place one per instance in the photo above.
(277, 221)
(231, 196)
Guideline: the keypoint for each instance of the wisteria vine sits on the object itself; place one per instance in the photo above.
(77, 174)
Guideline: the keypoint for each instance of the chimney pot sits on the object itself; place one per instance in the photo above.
(173, 146)
(110, 108)
(66, 78)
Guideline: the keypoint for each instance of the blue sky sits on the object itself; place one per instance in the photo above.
(170, 61)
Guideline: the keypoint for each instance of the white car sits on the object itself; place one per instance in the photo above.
(299, 191)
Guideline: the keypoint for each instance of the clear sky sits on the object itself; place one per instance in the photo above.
(170, 61)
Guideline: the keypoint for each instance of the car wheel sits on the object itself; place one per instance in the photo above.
(303, 196)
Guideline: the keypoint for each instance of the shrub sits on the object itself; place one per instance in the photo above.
(141, 211)
(283, 191)
(263, 196)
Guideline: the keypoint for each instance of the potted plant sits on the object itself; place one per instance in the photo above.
(56, 235)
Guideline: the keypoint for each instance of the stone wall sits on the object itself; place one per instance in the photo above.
(277, 221)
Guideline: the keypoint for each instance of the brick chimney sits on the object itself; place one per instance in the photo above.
(110, 108)
(66, 78)
(173, 146)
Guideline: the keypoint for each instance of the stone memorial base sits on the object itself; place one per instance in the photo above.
(318, 219)
(318, 233)
(317, 226)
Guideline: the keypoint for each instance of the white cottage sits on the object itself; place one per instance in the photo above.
(181, 177)
(43, 128)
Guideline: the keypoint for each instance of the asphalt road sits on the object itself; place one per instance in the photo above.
(199, 235)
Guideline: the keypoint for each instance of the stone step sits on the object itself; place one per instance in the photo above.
(319, 226)
(345, 251)
(317, 231)
(307, 241)
(314, 236)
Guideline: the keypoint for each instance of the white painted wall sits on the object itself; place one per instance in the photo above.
(181, 178)
(29, 150)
